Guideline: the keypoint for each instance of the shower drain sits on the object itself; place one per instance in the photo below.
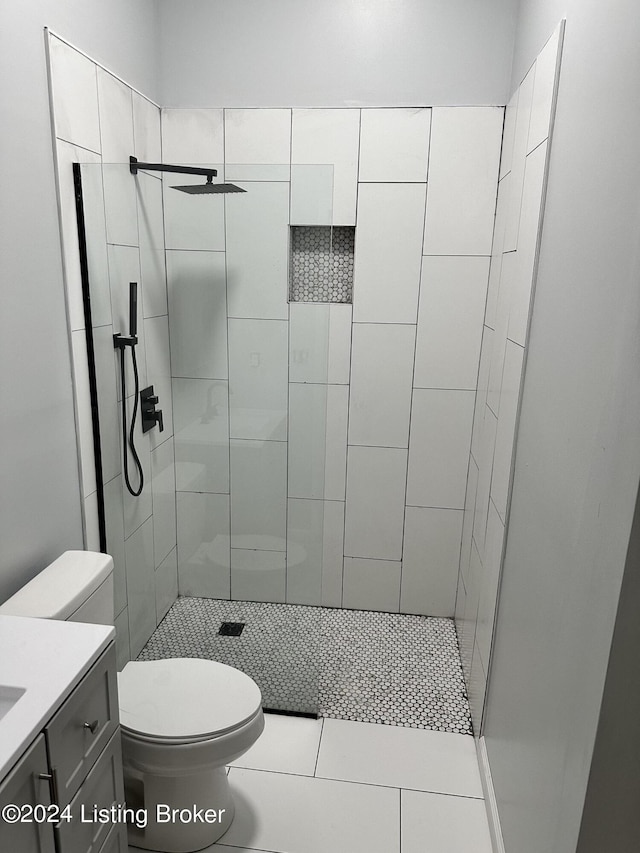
(231, 629)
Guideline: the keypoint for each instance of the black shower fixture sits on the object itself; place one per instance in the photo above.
(194, 189)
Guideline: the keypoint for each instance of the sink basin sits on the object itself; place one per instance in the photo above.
(8, 698)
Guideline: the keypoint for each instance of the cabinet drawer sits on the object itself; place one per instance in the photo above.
(24, 787)
(83, 726)
(88, 830)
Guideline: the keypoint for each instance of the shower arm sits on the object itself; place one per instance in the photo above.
(135, 165)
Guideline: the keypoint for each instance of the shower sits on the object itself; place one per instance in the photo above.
(193, 189)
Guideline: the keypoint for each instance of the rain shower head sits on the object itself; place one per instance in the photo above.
(209, 187)
(195, 189)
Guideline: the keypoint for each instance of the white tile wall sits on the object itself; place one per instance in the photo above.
(124, 267)
(193, 221)
(452, 301)
(504, 200)
(371, 584)
(505, 435)
(114, 522)
(499, 338)
(192, 136)
(319, 343)
(521, 133)
(197, 314)
(332, 553)
(151, 239)
(140, 586)
(485, 468)
(430, 557)
(315, 534)
(376, 478)
(510, 113)
(311, 195)
(201, 411)
(257, 243)
(120, 204)
(463, 171)
(434, 823)
(483, 387)
(156, 339)
(123, 652)
(75, 96)
(257, 137)
(468, 518)
(258, 494)
(115, 104)
(544, 83)
(137, 509)
(381, 371)
(163, 486)
(439, 448)
(108, 407)
(91, 523)
(394, 145)
(147, 137)
(204, 553)
(84, 423)
(489, 590)
(258, 379)
(166, 584)
(258, 575)
(330, 136)
(388, 252)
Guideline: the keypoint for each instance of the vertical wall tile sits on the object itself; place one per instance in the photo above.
(197, 314)
(467, 520)
(491, 578)
(156, 340)
(201, 408)
(504, 199)
(257, 241)
(311, 195)
(75, 96)
(463, 171)
(388, 253)
(123, 652)
(140, 586)
(109, 414)
(394, 144)
(507, 276)
(505, 436)
(381, 375)
(336, 446)
(193, 221)
(258, 575)
(147, 140)
(439, 448)
(485, 469)
(319, 343)
(371, 584)
(204, 553)
(470, 618)
(305, 534)
(430, 559)
(258, 379)
(257, 138)
(166, 585)
(543, 90)
(163, 486)
(151, 239)
(521, 133)
(483, 387)
(330, 136)
(506, 158)
(258, 494)
(332, 553)
(83, 411)
(339, 365)
(137, 509)
(124, 267)
(120, 204)
(114, 523)
(477, 688)
(374, 520)
(91, 523)
(193, 136)
(452, 302)
(116, 118)
(530, 218)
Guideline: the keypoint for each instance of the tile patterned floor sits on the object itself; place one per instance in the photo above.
(347, 664)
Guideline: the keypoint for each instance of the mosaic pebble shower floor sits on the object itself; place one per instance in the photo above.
(349, 664)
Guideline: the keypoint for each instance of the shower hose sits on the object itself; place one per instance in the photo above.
(134, 414)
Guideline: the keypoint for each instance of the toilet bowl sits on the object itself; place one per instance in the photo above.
(182, 719)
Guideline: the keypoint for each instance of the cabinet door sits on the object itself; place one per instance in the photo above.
(23, 787)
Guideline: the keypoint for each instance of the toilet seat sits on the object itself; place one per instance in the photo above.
(185, 700)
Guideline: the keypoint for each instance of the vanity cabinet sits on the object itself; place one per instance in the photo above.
(75, 764)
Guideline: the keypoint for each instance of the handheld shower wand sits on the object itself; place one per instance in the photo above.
(121, 342)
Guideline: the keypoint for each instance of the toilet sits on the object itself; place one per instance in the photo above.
(182, 719)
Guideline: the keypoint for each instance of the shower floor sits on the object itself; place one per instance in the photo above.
(349, 664)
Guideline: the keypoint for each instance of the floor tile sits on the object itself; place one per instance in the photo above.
(434, 823)
(287, 745)
(400, 757)
(296, 814)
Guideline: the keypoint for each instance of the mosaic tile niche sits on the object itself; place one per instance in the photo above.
(321, 263)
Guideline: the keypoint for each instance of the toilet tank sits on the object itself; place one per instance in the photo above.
(77, 587)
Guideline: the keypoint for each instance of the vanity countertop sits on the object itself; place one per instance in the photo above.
(41, 661)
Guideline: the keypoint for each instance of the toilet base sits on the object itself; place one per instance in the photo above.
(184, 813)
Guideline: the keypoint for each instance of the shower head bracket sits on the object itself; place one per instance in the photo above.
(135, 165)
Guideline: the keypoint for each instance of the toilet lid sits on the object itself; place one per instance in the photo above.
(185, 699)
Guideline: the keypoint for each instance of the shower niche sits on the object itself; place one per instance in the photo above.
(321, 263)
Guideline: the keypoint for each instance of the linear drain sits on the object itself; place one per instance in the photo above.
(231, 629)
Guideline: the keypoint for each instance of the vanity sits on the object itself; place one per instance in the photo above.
(60, 758)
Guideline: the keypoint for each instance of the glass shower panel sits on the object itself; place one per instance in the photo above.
(235, 486)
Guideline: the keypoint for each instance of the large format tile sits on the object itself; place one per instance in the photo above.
(201, 435)
(258, 575)
(204, 556)
(463, 174)
(192, 136)
(147, 140)
(163, 486)
(521, 132)
(508, 134)
(485, 474)
(116, 118)
(430, 558)
(311, 195)
(114, 522)
(120, 204)
(258, 385)
(388, 252)
(166, 584)
(330, 136)
(506, 431)
(257, 244)
(258, 494)
(158, 352)
(124, 268)
(193, 221)
(257, 137)
(75, 96)
(504, 199)
(151, 240)
(439, 445)
(123, 651)
(83, 411)
(434, 823)
(319, 343)
(394, 144)
(371, 584)
(140, 586)
(381, 373)
(376, 478)
(137, 508)
(491, 578)
(197, 314)
(283, 813)
(400, 757)
(452, 302)
(543, 90)
(287, 745)
(305, 539)
(108, 405)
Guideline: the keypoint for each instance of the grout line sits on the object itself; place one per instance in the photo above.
(315, 766)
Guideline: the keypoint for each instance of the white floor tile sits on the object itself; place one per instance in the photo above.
(400, 757)
(295, 814)
(432, 823)
(287, 745)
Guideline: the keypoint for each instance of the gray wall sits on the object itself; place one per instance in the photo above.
(578, 455)
(39, 492)
(306, 53)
